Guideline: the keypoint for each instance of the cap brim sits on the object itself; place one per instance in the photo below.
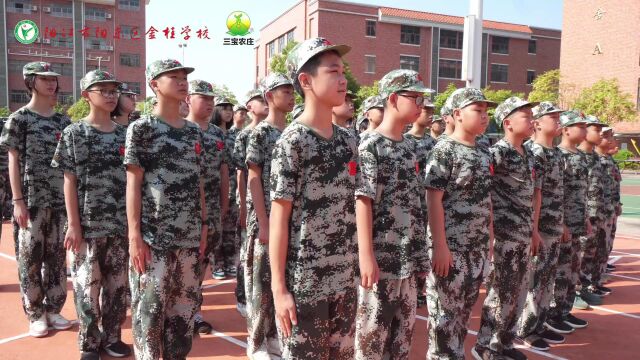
(202, 93)
(47, 73)
(103, 82)
(548, 112)
(188, 69)
(341, 49)
(488, 102)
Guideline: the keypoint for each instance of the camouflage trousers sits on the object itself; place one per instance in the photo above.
(261, 321)
(604, 251)
(326, 329)
(385, 318)
(449, 301)
(541, 279)
(506, 293)
(567, 278)
(592, 248)
(41, 262)
(213, 237)
(225, 252)
(100, 290)
(165, 299)
(240, 295)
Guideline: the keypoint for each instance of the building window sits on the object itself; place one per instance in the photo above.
(15, 66)
(280, 44)
(91, 67)
(271, 49)
(98, 44)
(450, 69)
(129, 4)
(370, 28)
(19, 96)
(531, 75)
(62, 42)
(533, 46)
(19, 6)
(499, 45)
(134, 86)
(64, 69)
(500, 73)
(409, 34)
(130, 60)
(370, 64)
(65, 98)
(290, 37)
(91, 13)
(126, 31)
(61, 10)
(450, 39)
(410, 62)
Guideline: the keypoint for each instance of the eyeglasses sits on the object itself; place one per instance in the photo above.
(106, 93)
(419, 99)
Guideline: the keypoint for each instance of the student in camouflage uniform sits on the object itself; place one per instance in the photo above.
(239, 115)
(126, 105)
(4, 180)
(90, 154)
(167, 218)
(437, 127)
(590, 274)
(216, 179)
(617, 178)
(446, 112)
(279, 94)
(604, 245)
(313, 261)
(30, 135)
(458, 182)
(575, 173)
(297, 111)
(392, 253)
(512, 201)
(546, 230)
(343, 113)
(373, 110)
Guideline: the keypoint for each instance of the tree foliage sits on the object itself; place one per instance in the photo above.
(546, 87)
(79, 110)
(607, 102)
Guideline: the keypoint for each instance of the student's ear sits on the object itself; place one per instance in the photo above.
(305, 80)
(188, 100)
(456, 114)
(85, 94)
(153, 84)
(392, 100)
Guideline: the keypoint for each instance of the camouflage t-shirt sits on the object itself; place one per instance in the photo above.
(95, 158)
(483, 140)
(318, 176)
(172, 162)
(213, 141)
(607, 165)
(512, 192)
(390, 177)
(35, 138)
(617, 178)
(4, 163)
(548, 178)
(595, 195)
(575, 181)
(239, 157)
(229, 144)
(463, 173)
(260, 146)
(423, 146)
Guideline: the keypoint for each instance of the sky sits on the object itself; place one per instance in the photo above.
(234, 66)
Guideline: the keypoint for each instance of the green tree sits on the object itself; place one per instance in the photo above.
(224, 91)
(441, 98)
(365, 92)
(546, 87)
(78, 110)
(607, 102)
(145, 106)
(497, 96)
(5, 112)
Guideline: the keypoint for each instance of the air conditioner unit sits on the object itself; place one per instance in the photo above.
(107, 16)
(46, 41)
(34, 8)
(46, 9)
(109, 48)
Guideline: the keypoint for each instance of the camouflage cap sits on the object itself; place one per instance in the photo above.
(445, 110)
(466, 96)
(201, 87)
(571, 117)
(545, 108)
(222, 100)
(401, 80)
(252, 94)
(297, 111)
(124, 89)
(301, 53)
(361, 120)
(436, 118)
(592, 120)
(239, 107)
(160, 67)
(372, 102)
(428, 104)
(508, 106)
(97, 77)
(606, 129)
(274, 80)
(154, 101)
(38, 68)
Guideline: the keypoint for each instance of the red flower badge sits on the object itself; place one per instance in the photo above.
(58, 135)
(417, 168)
(121, 150)
(491, 169)
(220, 145)
(353, 168)
(198, 148)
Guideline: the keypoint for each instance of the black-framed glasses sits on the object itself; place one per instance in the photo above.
(419, 99)
(106, 93)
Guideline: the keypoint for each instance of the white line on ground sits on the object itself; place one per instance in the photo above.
(614, 259)
(625, 253)
(7, 256)
(22, 336)
(218, 284)
(633, 316)
(625, 277)
(542, 353)
(632, 237)
(229, 338)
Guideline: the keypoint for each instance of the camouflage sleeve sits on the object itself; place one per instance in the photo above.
(256, 147)
(285, 169)
(367, 177)
(438, 171)
(64, 157)
(539, 169)
(13, 133)
(238, 151)
(595, 198)
(229, 144)
(134, 149)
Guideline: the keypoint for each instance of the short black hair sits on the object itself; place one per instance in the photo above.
(310, 67)
(216, 118)
(30, 83)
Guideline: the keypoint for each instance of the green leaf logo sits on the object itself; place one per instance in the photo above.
(239, 24)
(26, 32)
